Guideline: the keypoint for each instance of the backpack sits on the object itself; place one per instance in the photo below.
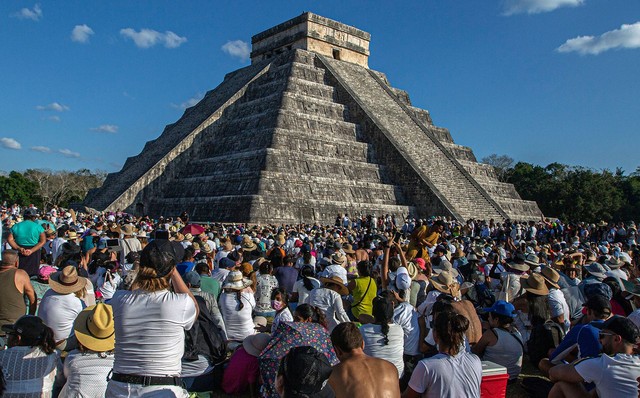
(204, 338)
(544, 336)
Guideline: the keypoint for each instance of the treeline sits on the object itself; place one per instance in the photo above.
(47, 188)
(573, 193)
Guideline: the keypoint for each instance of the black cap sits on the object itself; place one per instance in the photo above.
(623, 327)
(598, 303)
(27, 326)
(306, 371)
(174, 249)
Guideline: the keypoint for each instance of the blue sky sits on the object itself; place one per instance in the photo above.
(86, 84)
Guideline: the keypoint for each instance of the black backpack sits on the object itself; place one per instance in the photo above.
(544, 336)
(204, 338)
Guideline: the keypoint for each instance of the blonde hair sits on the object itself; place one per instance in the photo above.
(147, 279)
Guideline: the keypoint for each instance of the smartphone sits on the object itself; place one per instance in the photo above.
(113, 242)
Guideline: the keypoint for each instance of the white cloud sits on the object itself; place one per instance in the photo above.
(537, 6)
(106, 128)
(628, 36)
(10, 143)
(148, 38)
(69, 153)
(54, 118)
(237, 49)
(43, 149)
(189, 103)
(54, 106)
(81, 33)
(34, 14)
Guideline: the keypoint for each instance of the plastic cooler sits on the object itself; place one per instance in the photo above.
(494, 380)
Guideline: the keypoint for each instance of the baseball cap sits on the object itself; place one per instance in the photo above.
(598, 303)
(192, 278)
(621, 326)
(502, 307)
(27, 326)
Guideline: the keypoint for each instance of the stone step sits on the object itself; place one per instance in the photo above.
(340, 189)
(451, 180)
(318, 165)
(314, 144)
(317, 124)
(479, 170)
(460, 152)
(298, 70)
(311, 89)
(422, 114)
(441, 133)
(303, 104)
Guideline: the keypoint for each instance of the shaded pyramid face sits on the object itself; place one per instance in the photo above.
(301, 137)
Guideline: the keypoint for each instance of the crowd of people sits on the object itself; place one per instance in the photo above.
(109, 304)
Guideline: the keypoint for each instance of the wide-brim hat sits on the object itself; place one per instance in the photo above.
(94, 328)
(412, 270)
(518, 265)
(614, 263)
(336, 281)
(347, 248)
(596, 270)
(188, 237)
(128, 229)
(67, 281)
(535, 284)
(227, 245)
(255, 343)
(205, 248)
(445, 283)
(532, 260)
(248, 245)
(72, 235)
(551, 275)
(445, 266)
(338, 258)
(236, 281)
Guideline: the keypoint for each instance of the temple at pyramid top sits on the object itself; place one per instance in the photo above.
(313, 33)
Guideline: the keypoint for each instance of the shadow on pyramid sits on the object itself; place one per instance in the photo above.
(307, 132)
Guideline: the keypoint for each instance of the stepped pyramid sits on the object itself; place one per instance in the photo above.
(306, 132)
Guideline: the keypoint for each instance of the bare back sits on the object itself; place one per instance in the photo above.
(365, 377)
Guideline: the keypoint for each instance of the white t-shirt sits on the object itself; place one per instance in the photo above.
(239, 323)
(303, 293)
(448, 376)
(150, 331)
(406, 316)
(558, 306)
(374, 344)
(614, 377)
(86, 374)
(108, 287)
(59, 311)
(282, 316)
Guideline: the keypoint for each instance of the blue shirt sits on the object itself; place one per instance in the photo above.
(585, 337)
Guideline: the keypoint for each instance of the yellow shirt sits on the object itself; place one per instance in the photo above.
(363, 297)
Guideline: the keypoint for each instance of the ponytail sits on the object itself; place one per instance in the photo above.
(239, 298)
(383, 314)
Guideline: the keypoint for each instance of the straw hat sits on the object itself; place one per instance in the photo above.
(445, 266)
(247, 244)
(188, 237)
(535, 284)
(128, 229)
(94, 328)
(445, 283)
(552, 276)
(336, 281)
(235, 281)
(179, 237)
(532, 260)
(347, 248)
(72, 235)
(338, 258)
(614, 263)
(205, 248)
(255, 343)
(67, 281)
(412, 270)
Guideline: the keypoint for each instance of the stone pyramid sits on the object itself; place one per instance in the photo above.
(304, 133)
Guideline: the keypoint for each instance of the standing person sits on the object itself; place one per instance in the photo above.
(87, 368)
(359, 375)
(287, 275)
(31, 364)
(14, 287)
(265, 284)
(614, 374)
(424, 239)
(129, 243)
(452, 372)
(150, 322)
(27, 238)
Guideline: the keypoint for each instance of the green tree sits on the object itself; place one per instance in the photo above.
(15, 188)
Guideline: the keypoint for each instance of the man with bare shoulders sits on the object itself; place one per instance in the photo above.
(14, 286)
(359, 375)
